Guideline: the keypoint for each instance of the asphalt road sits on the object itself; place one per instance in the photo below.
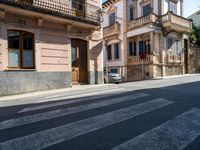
(145, 115)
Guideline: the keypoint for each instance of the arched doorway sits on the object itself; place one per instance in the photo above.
(79, 61)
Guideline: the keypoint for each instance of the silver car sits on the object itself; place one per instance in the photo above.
(113, 78)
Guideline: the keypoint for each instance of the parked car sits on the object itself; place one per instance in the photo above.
(113, 78)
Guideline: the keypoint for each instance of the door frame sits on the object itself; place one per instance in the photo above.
(87, 62)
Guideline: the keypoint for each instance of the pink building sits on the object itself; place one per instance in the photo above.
(49, 44)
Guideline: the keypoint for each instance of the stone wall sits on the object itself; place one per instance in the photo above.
(194, 63)
(158, 71)
(134, 73)
(17, 82)
(171, 70)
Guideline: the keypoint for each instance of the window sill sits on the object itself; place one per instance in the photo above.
(114, 60)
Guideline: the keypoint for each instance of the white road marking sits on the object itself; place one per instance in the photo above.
(59, 134)
(81, 92)
(59, 103)
(173, 135)
(66, 111)
(79, 95)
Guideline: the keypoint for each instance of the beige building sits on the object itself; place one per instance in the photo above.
(49, 44)
(152, 36)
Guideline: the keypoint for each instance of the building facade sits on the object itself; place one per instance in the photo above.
(195, 18)
(152, 34)
(49, 44)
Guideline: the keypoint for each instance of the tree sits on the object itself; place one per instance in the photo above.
(195, 34)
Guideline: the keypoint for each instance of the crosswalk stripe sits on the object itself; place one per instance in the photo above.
(47, 99)
(57, 104)
(174, 134)
(62, 112)
(60, 134)
(82, 92)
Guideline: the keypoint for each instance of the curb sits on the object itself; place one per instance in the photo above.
(43, 93)
(176, 76)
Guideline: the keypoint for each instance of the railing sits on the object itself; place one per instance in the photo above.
(170, 17)
(70, 9)
(174, 58)
(157, 58)
(111, 30)
(142, 21)
(138, 60)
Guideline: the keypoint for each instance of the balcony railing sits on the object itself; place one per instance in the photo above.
(69, 9)
(142, 21)
(137, 60)
(111, 30)
(175, 21)
(156, 59)
(174, 58)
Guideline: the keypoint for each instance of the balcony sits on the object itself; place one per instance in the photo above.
(136, 60)
(69, 9)
(172, 59)
(177, 23)
(111, 30)
(142, 21)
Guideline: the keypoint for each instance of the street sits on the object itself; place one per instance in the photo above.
(159, 114)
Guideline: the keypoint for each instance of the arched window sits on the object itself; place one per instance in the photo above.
(20, 49)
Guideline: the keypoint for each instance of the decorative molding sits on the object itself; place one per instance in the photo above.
(112, 9)
(2, 14)
(39, 22)
(109, 3)
(68, 27)
(21, 22)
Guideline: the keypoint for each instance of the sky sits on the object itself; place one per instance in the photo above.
(190, 6)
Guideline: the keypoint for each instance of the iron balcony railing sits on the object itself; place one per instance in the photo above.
(71, 9)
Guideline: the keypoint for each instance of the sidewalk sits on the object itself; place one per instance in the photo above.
(43, 93)
(177, 76)
(84, 87)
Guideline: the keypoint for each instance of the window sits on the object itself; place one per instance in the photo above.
(112, 19)
(147, 10)
(178, 47)
(147, 47)
(173, 7)
(169, 43)
(109, 52)
(116, 51)
(144, 47)
(173, 45)
(114, 70)
(131, 13)
(135, 48)
(20, 49)
(132, 48)
(74, 53)
(141, 47)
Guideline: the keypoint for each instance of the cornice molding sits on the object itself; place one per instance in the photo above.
(109, 3)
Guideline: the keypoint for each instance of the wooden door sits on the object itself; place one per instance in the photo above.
(83, 62)
(79, 61)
